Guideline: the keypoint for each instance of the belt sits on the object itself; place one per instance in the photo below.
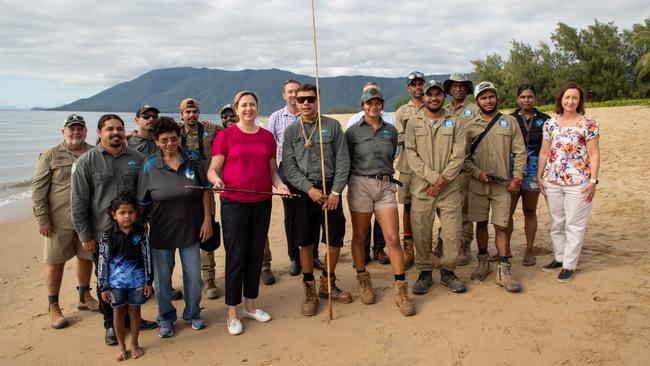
(385, 178)
(319, 182)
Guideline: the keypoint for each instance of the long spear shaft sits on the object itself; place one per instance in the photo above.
(322, 162)
(291, 195)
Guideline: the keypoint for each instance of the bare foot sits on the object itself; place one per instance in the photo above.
(122, 355)
(137, 351)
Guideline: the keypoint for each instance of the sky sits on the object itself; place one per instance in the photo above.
(53, 52)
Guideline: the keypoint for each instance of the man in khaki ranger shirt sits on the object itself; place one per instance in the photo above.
(51, 203)
(458, 86)
(414, 83)
(489, 186)
(435, 151)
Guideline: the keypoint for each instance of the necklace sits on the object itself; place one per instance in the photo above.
(308, 142)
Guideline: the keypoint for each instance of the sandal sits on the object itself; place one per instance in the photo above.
(529, 261)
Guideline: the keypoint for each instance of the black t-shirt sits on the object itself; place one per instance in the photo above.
(175, 212)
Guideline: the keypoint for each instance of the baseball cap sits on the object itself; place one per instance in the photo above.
(188, 103)
(146, 108)
(483, 86)
(414, 76)
(371, 93)
(74, 119)
(432, 84)
(225, 107)
(458, 78)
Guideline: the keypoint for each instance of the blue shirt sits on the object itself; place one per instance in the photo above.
(532, 131)
(124, 259)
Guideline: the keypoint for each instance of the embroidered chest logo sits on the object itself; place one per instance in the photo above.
(467, 112)
(449, 123)
(132, 164)
(135, 239)
(503, 123)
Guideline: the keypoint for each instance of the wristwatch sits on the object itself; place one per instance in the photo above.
(594, 181)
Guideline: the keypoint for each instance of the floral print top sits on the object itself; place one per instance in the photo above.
(568, 162)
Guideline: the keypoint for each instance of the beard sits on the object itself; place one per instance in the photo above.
(489, 111)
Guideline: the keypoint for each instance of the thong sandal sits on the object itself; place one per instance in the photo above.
(529, 261)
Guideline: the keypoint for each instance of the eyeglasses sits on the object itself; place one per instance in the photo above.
(168, 140)
(149, 116)
(228, 115)
(415, 75)
(310, 100)
(74, 118)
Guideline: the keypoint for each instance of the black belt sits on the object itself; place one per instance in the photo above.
(385, 178)
(319, 182)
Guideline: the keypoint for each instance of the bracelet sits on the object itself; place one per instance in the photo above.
(594, 181)
(335, 193)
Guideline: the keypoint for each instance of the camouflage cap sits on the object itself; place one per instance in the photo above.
(432, 84)
(371, 93)
(484, 86)
(188, 103)
(458, 78)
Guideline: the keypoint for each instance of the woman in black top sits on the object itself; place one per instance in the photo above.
(531, 123)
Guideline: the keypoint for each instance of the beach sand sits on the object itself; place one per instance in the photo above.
(602, 317)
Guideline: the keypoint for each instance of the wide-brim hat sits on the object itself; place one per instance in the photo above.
(457, 78)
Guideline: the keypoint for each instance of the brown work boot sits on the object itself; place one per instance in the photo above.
(341, 296)
(464, 254)
(483, 268)
(409, 254)
(57, 321)
(402, 300)
(309, 301)
(504, 278)
(437, 253)
(366, 294)
(88, 303)
(380, 256)
(211, 289)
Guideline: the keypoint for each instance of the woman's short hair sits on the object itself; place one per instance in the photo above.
(166, 124)
(525, 86)
(241, 94)
(558, 98)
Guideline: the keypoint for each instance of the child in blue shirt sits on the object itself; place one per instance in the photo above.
(124, 272)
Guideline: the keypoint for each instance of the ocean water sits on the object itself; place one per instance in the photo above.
(25, 134)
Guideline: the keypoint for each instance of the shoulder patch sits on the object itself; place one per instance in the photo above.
(503, 123)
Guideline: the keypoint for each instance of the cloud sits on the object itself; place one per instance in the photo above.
(93, 44)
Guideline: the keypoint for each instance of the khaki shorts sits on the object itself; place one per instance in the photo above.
(367, 194)
(62, 246)
(404, 192)
(496, 202)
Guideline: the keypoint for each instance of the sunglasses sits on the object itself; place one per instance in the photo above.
(310, 100)
(149, 116)
(416, 75)
(169, 140)
(228, 115)
(74, 118)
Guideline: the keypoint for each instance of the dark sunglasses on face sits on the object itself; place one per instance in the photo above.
(149, 116)
(228, 115)
(416, 75)
(310, 100)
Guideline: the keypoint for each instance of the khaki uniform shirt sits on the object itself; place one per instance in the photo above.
(402, 116)
(434, 149)
(493, 153)
(97, 178)
(302, 165)
(51, 186)
(465, 112)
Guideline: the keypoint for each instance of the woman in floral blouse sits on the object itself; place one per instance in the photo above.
(567, 175)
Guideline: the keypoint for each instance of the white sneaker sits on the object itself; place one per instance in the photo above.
(259, 315)
(234, 326)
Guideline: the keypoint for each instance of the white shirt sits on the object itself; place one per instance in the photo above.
(387, 117)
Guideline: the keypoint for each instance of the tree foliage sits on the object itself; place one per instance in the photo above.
(604, 60)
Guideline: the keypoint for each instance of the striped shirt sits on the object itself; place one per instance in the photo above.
(278, 122)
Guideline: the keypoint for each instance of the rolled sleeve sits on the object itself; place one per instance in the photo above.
(41, 188)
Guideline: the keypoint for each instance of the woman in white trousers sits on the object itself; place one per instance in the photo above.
(567, 175)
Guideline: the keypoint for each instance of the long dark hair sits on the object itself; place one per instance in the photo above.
(106, 117)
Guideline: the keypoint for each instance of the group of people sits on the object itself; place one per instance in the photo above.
(131, 202)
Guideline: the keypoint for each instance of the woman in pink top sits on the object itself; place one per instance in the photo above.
(567, 175)
(244, 158)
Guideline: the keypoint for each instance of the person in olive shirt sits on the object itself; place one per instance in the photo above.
(51, 203)
(301, 163)
(98, 176)
(458, 86)
(142, 138)
(488, 163)
(372, 144)
(435, 151)
(414, 83)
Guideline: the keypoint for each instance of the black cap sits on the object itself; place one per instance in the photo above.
(146, 108)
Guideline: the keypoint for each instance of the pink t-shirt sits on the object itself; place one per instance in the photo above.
(247, 162)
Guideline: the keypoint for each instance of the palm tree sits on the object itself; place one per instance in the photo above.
(641, 40)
